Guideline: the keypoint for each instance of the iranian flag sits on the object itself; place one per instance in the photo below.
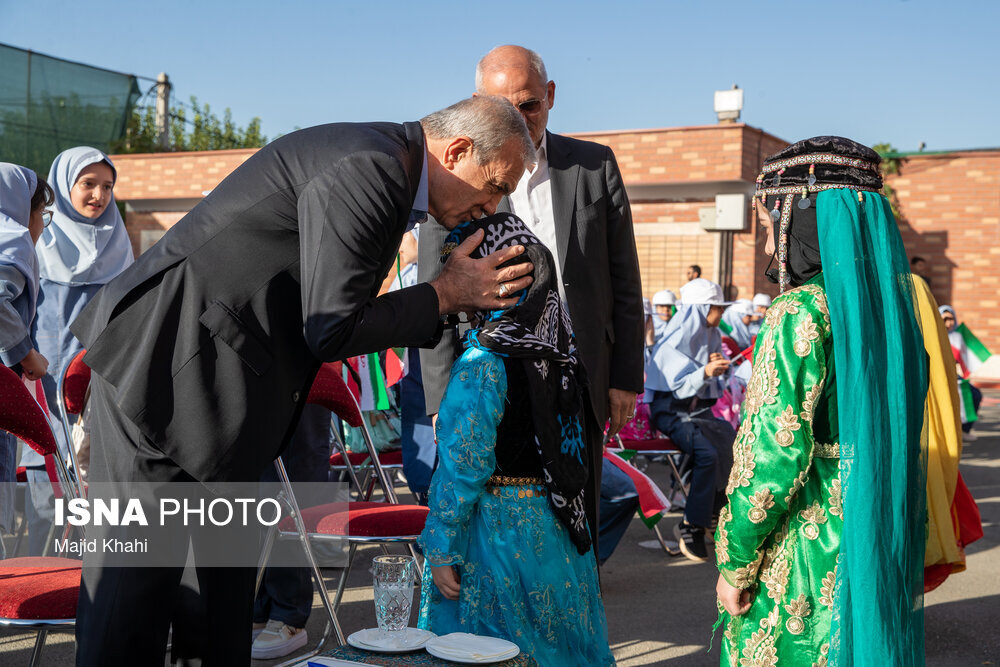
(966, 404)
(974, 353)
(374, 385)
(652, 502)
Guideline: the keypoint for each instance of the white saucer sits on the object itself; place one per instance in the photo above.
(435, 646)
(410, 639)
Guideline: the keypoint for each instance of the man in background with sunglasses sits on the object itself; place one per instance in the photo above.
(575, 202)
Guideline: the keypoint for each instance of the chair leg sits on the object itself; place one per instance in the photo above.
(265, 554)
(36, 653)
(49, 540)
(416, 559)
(300, 527)
(677, 476)
(370, 483)
(21, 532)
(659, 536)
(330, 608)
(343, 576)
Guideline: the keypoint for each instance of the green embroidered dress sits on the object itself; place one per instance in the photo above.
(779, 535)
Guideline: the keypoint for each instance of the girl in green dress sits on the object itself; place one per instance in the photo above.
(820, 547)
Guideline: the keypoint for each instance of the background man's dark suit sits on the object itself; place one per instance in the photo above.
(600, 272)
(204, 350)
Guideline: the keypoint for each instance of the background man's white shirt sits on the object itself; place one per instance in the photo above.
(532, 202)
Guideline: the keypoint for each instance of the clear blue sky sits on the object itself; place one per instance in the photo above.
(893, 71)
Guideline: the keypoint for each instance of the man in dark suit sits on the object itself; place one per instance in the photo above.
(204, 350)
(575, 202)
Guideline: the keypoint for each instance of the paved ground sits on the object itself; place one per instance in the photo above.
(661, 609)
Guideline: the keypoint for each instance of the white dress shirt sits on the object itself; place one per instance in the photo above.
(532, 202)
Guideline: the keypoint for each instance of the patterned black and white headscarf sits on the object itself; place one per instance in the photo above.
(537, 331)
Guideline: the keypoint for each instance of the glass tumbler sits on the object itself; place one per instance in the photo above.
(393, 584)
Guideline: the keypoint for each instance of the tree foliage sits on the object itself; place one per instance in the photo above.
(194, 128)
(33, 134)
(889, 166)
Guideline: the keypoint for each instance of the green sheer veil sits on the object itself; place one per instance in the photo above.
(881, 387)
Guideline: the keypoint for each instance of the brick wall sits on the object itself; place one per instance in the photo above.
(668, 240)
(706, 153)
(949, 207)
(167, 177)
(949, 204)
(697, 153)
(174, 175)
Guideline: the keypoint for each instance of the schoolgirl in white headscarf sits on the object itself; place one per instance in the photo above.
(84, 246)
(736, 322)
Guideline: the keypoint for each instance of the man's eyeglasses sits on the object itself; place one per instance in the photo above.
(531, 107)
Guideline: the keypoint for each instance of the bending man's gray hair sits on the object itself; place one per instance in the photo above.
(534, 59)
(488, 120)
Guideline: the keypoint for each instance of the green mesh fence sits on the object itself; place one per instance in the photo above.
(48, 105)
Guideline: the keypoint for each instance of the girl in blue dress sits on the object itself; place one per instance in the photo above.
(507, 544)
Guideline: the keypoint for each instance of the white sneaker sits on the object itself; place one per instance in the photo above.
(277, 640)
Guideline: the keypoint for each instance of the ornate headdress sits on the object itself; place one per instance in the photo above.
(790, 178)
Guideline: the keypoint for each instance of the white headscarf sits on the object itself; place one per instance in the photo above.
(958, 341)
(17, 185)
(683, 349)
(733, 316)
(75, 250)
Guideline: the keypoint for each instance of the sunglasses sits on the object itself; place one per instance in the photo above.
(532, 106)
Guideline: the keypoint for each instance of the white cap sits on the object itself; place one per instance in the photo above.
(744, 306)
(702, 292)
(762, 299)
(647, 307)
(664, 298)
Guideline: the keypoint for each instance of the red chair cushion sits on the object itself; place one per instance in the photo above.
(393, 457)
(39, 588)
(21, 415)
(362, 519)
(654, 445)
(75, 384)
(330, 391)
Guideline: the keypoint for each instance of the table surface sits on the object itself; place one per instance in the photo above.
(419, 658)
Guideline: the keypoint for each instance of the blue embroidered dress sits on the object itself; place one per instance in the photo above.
(521, 577)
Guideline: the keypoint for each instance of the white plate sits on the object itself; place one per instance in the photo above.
(433, 647)
(415, 638)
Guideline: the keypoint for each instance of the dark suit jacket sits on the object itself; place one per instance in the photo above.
(213, 337)
(600, 272)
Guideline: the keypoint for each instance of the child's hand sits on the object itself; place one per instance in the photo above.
(716, 367)
(34, 365)
(736, 601)
(446, 580)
